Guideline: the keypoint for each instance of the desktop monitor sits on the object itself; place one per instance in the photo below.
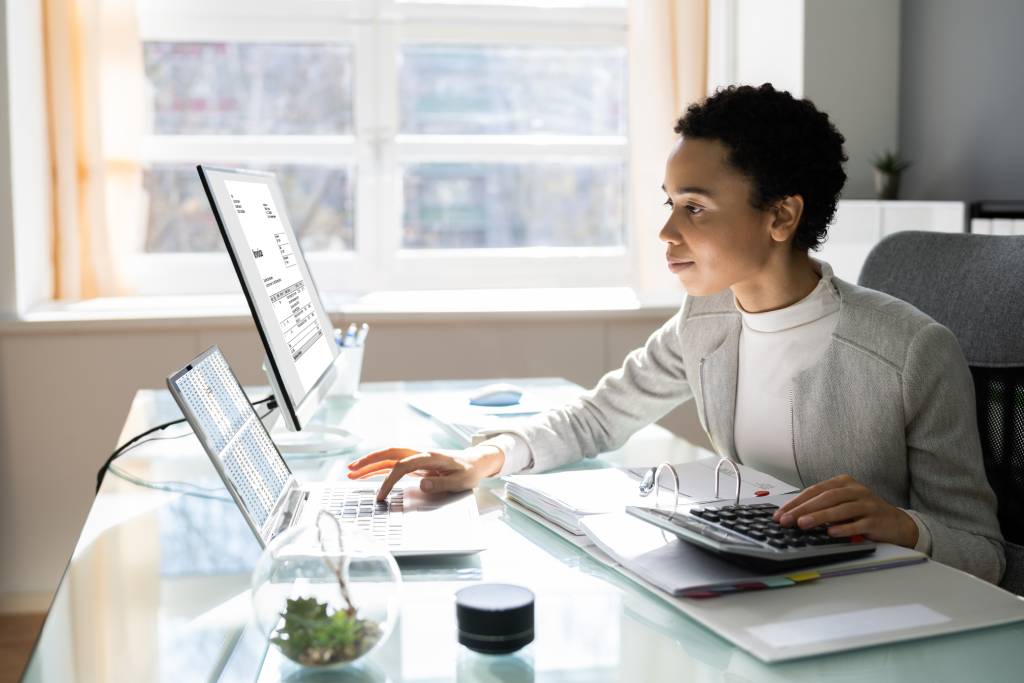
(296, 333)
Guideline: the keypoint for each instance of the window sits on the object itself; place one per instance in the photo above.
(420, 145)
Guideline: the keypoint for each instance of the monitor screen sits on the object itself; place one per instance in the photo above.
(291, 319)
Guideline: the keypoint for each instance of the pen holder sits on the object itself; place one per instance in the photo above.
(348, 367)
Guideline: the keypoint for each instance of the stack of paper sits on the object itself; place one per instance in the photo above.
(567, 497)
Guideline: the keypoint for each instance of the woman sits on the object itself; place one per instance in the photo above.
(857, 397)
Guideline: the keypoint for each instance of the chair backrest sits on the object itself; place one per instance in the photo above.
(974, 285)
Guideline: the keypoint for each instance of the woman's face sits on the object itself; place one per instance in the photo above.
(715, 237)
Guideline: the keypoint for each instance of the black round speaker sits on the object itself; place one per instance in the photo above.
(494, 618)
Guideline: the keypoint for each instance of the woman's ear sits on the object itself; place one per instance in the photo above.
(787, 217)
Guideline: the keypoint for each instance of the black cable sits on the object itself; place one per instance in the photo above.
(125, 447)
(182, 487)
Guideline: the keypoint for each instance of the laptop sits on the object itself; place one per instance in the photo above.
(273, 500)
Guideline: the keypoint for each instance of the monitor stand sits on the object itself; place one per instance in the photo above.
(315, 440)
(312, 440)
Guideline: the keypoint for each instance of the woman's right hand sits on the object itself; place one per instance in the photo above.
(443, 470)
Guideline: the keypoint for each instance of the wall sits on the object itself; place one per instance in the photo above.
(8, 289)
(30, 153)
(65, 391)
(843, 56)
(851, 71)
(769, 44)
(962, 99)
(25, 192)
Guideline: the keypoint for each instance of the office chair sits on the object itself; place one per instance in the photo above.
(974, 285)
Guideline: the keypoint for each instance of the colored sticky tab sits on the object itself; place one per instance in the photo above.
(702, 594)
(804, 576)
(777, 582)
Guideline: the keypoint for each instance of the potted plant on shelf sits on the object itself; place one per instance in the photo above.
(888, 168)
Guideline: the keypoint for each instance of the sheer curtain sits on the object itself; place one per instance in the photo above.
(668, 48)
(94, 92)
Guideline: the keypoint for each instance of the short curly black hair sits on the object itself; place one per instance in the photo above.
(784, 145)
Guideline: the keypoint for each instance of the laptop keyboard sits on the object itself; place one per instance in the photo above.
(359, 507)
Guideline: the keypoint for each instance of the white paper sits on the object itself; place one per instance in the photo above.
(463, 419)
(697, 481)
(610, 489)
(584, 492)
(845, 625)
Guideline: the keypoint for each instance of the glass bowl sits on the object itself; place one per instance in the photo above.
(325, 595)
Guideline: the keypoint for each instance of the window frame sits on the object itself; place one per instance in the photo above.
(376, 29)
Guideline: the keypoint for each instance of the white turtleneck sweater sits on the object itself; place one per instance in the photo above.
(775, 346)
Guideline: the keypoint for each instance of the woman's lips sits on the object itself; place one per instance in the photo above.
(678, 265)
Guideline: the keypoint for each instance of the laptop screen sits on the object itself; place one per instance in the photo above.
(232, 434)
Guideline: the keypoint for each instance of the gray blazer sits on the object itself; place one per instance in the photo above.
(891, 403)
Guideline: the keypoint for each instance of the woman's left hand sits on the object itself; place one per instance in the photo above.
(851, 509)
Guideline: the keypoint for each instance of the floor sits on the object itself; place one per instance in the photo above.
(17, 634)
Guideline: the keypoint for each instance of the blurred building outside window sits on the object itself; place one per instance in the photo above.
(419, 145)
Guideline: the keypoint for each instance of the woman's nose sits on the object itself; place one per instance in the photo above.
(669, 233)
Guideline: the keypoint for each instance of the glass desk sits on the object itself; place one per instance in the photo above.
(157, 587)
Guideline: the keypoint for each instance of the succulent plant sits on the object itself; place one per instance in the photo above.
(313, 637)
(889, 162)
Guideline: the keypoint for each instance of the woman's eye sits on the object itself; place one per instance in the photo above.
(668, 203)
(694, 210)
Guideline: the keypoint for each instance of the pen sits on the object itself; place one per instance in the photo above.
(350, 335)
(364, 330)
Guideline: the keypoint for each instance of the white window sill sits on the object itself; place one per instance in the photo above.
(229, 310)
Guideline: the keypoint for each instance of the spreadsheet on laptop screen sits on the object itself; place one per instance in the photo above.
(228, 425)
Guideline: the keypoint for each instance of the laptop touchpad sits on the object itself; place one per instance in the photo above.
(415, 500)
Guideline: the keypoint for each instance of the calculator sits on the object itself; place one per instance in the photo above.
(746, 535)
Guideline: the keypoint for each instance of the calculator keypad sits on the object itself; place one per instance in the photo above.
(755, 522)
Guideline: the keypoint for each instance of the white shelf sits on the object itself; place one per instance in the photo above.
(860, 224)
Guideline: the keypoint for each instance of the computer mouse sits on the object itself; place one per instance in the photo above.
(496, 395)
